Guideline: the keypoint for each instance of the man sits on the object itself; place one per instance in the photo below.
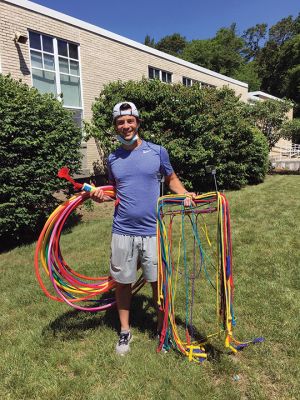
(135, 169)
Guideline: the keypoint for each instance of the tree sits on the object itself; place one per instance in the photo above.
(149, 41)
(248, 73)
(173, 44)
(199, 52)
(289, 69)
(221, 54)
(199, 127)
(291, 130)
(253, 37)
(278, 61)
(37, 137)
(269, 116)
(284, 30)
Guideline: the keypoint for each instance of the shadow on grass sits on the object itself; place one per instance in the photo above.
(74, 324)
(27, 237)
(213, 353)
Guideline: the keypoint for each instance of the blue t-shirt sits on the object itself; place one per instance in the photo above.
(136, 175)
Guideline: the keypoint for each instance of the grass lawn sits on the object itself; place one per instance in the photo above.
(50, 351)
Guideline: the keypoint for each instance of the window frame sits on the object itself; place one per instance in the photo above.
(195, 81)
(192, 81)
(160, 73)
(207, 85)
(56, 70)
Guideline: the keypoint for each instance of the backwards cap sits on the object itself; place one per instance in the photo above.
(131, 110)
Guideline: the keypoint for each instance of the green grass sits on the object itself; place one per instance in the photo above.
(50, 351)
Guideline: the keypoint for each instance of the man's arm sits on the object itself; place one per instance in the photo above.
(177, 187)
(175, 184)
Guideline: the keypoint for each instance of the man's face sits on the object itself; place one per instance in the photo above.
(126, 126)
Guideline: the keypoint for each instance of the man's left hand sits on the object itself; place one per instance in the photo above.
(188, 201)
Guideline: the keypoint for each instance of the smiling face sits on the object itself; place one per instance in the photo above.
(126, 126)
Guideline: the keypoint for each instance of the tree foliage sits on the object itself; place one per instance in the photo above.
(284, 30)
(247, 72)
(291, 130)
(150, 41)
(199, 127)
(173, 44)
(37, 136)
(267, 59)
(278, 61)
(269, 116)
(253, 37)
(221, 54)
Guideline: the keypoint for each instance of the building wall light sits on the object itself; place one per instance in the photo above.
(19, 38)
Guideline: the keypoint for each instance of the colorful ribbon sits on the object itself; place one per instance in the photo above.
(168, 271)
(70, 286)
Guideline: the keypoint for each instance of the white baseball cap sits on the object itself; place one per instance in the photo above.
(131, 110)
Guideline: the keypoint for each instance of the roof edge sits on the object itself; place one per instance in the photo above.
(263, 94)
(29, 5)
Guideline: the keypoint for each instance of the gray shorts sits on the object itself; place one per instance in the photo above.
(127, 252)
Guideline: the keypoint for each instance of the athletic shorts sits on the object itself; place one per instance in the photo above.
(127, 252)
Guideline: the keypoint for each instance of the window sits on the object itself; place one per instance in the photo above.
(55, 68)
(166, 76)
(189, 82)
(77, 117)
(153, 73)
(42, 63)
(208, 85)
(163, 76)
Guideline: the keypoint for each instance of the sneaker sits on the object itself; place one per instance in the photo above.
(122, 346)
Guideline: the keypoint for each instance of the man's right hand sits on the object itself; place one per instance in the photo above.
(98, 195)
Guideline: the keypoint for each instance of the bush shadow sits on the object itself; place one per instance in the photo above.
(28, 237)
(73, 324)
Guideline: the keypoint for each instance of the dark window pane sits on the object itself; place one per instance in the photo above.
(156, 73)
(47, 44)
(77, 117)
(35, 40)
(62, 48)
(73, 51)
(151, 73)
(163, 76)
(169, 77)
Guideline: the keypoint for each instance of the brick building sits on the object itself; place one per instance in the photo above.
(74, 59)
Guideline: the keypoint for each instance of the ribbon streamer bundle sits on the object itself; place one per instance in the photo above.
(177, 264)
(77, 290)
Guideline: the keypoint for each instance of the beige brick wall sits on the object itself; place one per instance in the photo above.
(102, 59)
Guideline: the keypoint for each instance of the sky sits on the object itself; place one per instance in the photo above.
(194, 19)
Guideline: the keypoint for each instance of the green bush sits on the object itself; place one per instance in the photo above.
(198, 127)
(37, 137)
(291, 130)
(269, 116)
